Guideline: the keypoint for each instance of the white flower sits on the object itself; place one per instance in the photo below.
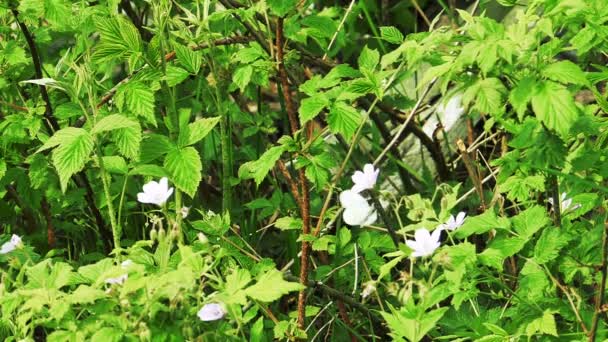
(155, 193)
(185, 211)
(425, 243)
(11, 245)
(454, 223)
(566, 203)
(211, 312)
(126, 264)
(118, 280)
(357, 212)
(366, 179)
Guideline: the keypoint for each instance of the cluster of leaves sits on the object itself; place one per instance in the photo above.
(258, 112)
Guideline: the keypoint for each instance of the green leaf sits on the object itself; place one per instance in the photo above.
(481, 224)
(288, 223)
(86, 294)
(500, 249)
(550, 243)
(528, 222)
(149, 170)
(74, 148)
(175, 75)
(344, 119)
(281, 7)
(184, 166)
(258, 169)
(107, 334)
(119, 39)
(128, 141)
(488, 95)
(200, 128)
(521, 95)
(153, 146)
(368, 59)
(554, 105)
(519, 187)
(113, 122)
(543, 325)
(115, 164)
(242, 76)
(189, 59)
(310, 107)
(391, 34)
(565, 72)
(271, 286)
(140, 100)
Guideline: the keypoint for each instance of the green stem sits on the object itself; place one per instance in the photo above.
(178, 216)
(226, 163)
(116, 229)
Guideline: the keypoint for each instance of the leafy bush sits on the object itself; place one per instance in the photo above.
(224, 170)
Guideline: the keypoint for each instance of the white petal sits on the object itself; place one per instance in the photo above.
(7, 247)
(460, 218)
(349, 198)
(150, 187)
(413, 245)
(435, 236)
(163, 184)
(211, 312)
(15, 239)
(422, 235)
(371, 218)
(142, 197)
(354, 216)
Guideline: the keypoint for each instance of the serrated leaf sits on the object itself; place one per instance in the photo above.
(128, 141)
(529, 221)
(86, 294)
(189, 59)
(343, 119)
(184, 167)
(153, 146)
(549, 245)
(115, 164)
(281, 7)
(113, 122)
(368, 59)
(554, 105)
(543, 325)
(258, 169)
(521, 95)
(519, 187)
(391, 34)
(200, 128)
(500, 249)
(140, 100)
(565, 72)
(310, 107)
(242, 76)
(481, 224)
(271, 286)
(488, 96)
(74, 148)
(175, 75)
(107, 334)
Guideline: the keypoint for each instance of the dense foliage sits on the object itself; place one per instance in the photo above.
(220, 170)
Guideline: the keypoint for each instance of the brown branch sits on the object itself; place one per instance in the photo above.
(52, 125)
(599, 300)
(26, 211)
(48, 111)
(292, 184)
(50, 230)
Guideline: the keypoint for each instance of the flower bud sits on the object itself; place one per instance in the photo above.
(174, 234)
(202, 238)
(161, 234)
(153, 234)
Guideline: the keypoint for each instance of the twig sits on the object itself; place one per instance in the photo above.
(333, 38)
(50, 230)
(565, 291)
(80, 178)
(304, 193)
(472, 171)
(599, 300)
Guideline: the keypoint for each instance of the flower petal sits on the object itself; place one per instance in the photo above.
(349, 198)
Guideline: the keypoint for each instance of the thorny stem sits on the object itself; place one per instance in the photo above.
(599, 300)
(304, 193)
